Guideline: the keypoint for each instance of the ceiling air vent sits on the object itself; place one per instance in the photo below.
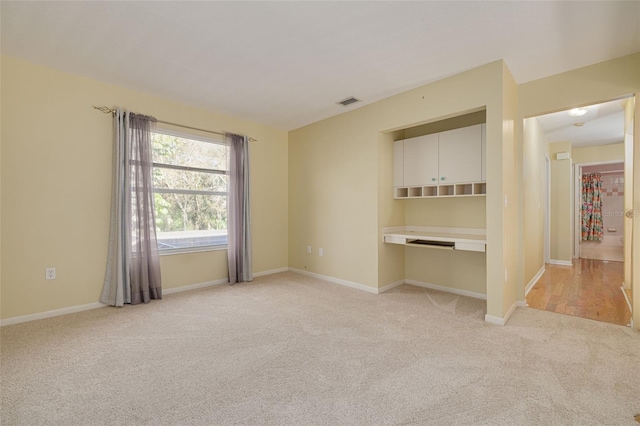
(348, 101)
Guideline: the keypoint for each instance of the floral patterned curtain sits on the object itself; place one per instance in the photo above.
(592, 207)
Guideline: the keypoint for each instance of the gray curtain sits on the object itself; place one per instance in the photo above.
(133, 262)
(239, 207)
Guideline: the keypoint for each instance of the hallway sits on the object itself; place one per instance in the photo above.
(588, 289)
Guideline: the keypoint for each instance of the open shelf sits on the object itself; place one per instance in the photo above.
(464, 189)
(401, 192)
(415, 192)
(468, 189)
(446, 190)
(430, 191)
(480, 188)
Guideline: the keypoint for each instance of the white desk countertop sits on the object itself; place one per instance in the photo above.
(468, 239)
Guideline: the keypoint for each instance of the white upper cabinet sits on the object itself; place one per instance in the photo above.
(484, 152)
(398, 163)
(420, 160)
(460, 155)
(446, 164)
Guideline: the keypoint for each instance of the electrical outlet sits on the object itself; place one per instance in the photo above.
(308, 249)
(320, 252)
(50, 274)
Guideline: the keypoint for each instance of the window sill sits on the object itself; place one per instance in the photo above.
(187, 250)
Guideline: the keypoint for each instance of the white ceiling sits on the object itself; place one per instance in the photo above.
(603, 125)
(285, 64)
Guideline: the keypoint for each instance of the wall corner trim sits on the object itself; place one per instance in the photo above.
(501, 321)
(534, 280)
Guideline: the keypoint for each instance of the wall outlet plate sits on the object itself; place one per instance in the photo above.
(50, 274)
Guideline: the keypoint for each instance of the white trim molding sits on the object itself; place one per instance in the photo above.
(334, 280)
(447, 289)
(533, 281)
(561, 262)
(501, 321)
(626, 298)
(50, 314)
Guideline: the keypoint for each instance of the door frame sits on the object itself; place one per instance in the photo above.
(547, 210)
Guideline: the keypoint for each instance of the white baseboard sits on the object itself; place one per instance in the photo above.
(390, 286)
(336, 280)
(80, 308)
(560, 262)
(448, 289)
(49, 314)
(533, 281)
(270, 272)
(501, 321)
(193, 286)
(627, 299)
(218, 282)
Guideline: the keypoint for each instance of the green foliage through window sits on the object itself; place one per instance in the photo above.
(191, 205)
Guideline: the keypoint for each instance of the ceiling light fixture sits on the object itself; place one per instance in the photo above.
(579, 124)
(578, 112)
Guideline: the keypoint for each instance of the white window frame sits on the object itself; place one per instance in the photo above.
(191, 136)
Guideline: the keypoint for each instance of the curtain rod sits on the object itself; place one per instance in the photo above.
(108, 110)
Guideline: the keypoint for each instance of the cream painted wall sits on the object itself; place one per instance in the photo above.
(534, 193)
(391, 212)
(461, 270)
(561, 181)
(589, 85)
(635, 273)
(465, 212)
(583, 86)
(56, 182)
(510, 190)
(0, 187)
(334, 168)
(598, 153)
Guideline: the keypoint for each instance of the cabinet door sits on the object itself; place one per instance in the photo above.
(398, 163)
(421, 160)
(484, 152)
(461, 155)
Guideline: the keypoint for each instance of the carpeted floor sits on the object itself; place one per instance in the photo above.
(288, 349)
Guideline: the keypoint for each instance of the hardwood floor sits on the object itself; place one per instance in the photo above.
(588, 289)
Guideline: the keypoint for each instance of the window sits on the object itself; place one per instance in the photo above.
(190, 178)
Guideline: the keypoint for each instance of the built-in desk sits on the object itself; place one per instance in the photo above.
(468, 239)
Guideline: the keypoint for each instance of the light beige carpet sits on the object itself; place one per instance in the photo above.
(288, 349)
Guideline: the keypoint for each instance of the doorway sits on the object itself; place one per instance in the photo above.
(584, 273)
(599, 211)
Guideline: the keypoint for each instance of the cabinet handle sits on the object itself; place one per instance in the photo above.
(442, 178)
(433, 179)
